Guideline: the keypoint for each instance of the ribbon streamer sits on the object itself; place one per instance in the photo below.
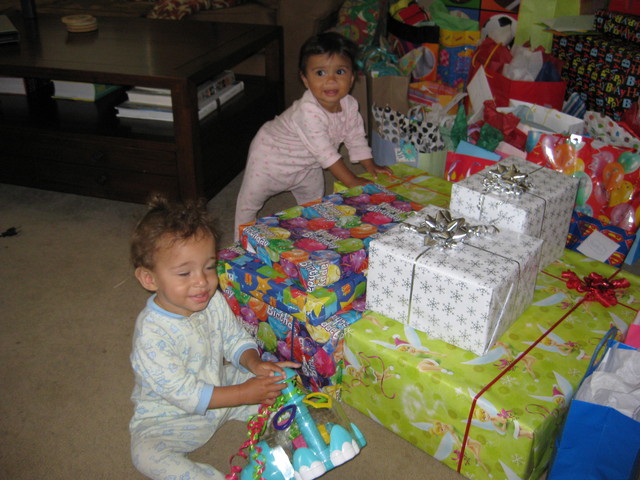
(444, 231)
(596, 287)
(507, 180)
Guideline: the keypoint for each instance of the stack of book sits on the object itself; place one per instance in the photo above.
(155, 103)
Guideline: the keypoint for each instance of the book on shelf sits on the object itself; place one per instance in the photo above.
(100, 111)
(162, 96)
(8, 31)
(24, 86)
(164, 113)
(82, 90)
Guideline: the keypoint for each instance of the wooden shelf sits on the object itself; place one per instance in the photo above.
(51, 144)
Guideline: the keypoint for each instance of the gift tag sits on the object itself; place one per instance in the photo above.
(406, 153)
(598, 246)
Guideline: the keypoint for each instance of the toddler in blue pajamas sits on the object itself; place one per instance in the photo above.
(195, 366)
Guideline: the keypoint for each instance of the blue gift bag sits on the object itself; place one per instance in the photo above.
(597, 442)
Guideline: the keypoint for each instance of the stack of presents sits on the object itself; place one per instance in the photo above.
(459, 301)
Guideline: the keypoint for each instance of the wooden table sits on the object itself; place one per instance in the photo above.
(128, 161)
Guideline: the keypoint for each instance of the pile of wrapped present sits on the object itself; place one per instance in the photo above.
(460, 300)
(462, 85)
(451, 313)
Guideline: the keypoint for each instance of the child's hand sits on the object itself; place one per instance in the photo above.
(355, 182)
(377, 169)
(267, 385)
(262, 389)
(374, 170)
(273, 368)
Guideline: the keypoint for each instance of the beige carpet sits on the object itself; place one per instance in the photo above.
(68, 302)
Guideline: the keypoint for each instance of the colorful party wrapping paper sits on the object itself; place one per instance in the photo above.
(602, 69)
(274, 288)
(493, 416)
(321, 243)
(466, 292)
(518, 195)
(609, 176)
(413, 183)
(317, 348)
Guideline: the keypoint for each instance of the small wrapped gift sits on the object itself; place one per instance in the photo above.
(274, 288)
(320, 243)
(464, 284)
(518, 195)
(282, 336)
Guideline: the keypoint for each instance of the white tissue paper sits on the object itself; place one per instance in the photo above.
(615, 383)
(525, 64)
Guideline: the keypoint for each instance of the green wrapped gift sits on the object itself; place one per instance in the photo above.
(412, 183)
(491, 416)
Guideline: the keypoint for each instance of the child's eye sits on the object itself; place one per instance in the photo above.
(212, 267)
(183, 274)
(320, 73)
(342, 71)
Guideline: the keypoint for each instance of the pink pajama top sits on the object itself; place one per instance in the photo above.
(307, 136)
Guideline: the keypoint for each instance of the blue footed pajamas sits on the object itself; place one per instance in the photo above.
(178, 362)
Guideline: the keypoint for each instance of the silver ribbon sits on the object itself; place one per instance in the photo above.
(507, 180)
(443, 231)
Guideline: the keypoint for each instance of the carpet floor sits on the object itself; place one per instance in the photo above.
(69, 301)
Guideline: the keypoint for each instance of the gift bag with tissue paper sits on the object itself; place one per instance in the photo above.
(601, 435)
(520, 74)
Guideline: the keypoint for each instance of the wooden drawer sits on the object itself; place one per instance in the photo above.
(134, 155)
(90, 180)
(87, 166)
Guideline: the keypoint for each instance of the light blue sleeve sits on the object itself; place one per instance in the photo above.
(205, 398)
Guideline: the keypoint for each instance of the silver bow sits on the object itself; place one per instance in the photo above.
(507, 180)
(446, 232)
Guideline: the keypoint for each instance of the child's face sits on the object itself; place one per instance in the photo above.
(329, 78)
(184, 277)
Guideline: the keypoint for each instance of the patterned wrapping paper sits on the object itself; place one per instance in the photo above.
(317, 348)
(603, 70)
(582, 226)
(544, 211)
(609, 175)
(410, 182)
(467, 295)
(321, 243)
(620, 25)
(427, 391)
(253, 277)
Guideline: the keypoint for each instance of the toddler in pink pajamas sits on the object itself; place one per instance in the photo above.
(290, 152)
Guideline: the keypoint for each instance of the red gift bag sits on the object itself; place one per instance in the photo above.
(459, 166)
(493, 56)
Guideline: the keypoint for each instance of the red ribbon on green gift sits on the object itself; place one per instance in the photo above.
(605, 289)
(596, 287)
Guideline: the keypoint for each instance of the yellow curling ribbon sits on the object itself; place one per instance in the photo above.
(318, 400)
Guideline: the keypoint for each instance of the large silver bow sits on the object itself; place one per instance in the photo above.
(444, 231)
(507, 180)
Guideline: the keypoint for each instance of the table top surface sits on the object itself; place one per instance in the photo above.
(128, 49)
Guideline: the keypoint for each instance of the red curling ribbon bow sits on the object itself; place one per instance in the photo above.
(596, 287)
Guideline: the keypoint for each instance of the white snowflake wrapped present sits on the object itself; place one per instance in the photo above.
(458, 282)
(519, 195)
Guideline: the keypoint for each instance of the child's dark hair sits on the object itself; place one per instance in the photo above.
(179, 220)
(327, 42)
